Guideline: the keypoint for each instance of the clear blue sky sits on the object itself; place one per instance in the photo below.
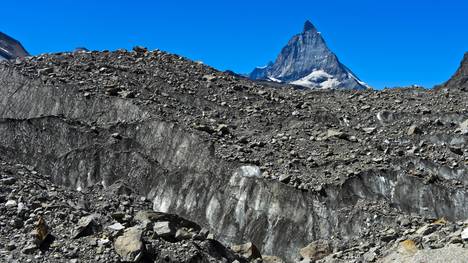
(386, 43)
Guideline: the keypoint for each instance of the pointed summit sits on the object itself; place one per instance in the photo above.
(309, 26)
(307, 61)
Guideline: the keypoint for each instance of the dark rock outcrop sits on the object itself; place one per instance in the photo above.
(11, 48)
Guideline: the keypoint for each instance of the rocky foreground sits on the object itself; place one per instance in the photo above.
(337, 176)
(44, 222)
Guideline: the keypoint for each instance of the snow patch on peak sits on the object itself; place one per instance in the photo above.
(318, 79)
(275, 80)
(352, 76)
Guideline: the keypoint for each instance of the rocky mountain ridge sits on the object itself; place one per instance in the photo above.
(11, 48)
(460, 78)
(307, 61)
(303, 175)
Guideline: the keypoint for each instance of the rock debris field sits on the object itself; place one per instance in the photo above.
(145, 156)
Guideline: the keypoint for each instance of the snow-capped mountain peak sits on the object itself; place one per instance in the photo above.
(307, 61)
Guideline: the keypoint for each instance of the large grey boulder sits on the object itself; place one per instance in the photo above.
(315, 251)
(247, 250)
(129, 246)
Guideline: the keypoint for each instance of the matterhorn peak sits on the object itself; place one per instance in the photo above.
(308, 26)
(307, 61)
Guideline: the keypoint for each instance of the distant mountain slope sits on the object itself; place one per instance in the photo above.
(307, 61)
(460, 78)
(11, 48)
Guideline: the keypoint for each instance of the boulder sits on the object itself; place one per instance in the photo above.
(140, 49)
(385, 117)
(164, 229)
(464, 234)
(8, 180)
(464, 127)
(119, 187)
(284, 178)
(11, 203)
(169, 221)
(184, 234)
(334, 133)
(87, 225)
(427, 229)
(414, 129)
(407, 247)
(316, 250)
(116, 227)
(129, 246)
(40, 232)
(247, 250)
